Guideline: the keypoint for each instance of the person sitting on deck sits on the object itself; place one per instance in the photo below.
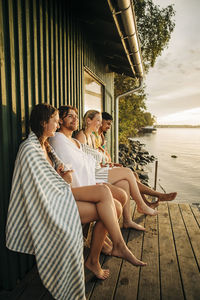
(44, 219)
(70, 150)
(100, 143)
(91, 123)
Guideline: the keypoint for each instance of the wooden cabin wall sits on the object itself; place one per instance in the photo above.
(43, 52)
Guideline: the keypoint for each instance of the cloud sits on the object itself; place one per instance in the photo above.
(187, 117)
(161, 108)
(177, 94)
(173, 84)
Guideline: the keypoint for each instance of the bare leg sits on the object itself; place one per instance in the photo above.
(120, 195)
(161, 196)
(117, 174)
(98, 236)
(100, 195)
(127, 220)
(148, 191)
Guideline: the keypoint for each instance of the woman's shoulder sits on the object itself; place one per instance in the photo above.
(80, 136)
(29, 148)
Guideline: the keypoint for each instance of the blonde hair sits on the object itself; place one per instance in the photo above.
(89, 114)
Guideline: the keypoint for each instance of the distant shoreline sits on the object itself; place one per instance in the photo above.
(177, 126)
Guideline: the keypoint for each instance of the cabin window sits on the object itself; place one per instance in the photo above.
(93, 93)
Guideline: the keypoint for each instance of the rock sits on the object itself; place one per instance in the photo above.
(174, 156)
(143, 175)
(135, 157)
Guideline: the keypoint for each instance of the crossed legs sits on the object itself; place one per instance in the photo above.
(117, 174)
(95, 203)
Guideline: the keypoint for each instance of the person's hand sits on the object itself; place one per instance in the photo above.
(66, 175)
(118, 165)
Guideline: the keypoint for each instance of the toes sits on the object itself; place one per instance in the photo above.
(104, 274)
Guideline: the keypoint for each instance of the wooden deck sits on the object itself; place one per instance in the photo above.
(170, 246)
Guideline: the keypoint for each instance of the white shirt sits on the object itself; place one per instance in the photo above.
(82, 163)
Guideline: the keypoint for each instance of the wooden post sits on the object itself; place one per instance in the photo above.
(156, 173)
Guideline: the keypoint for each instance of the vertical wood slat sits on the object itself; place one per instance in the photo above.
(21, 68)
(68, 61)
(65, 79)
(56, 58)
(12, 57)
(41, 52)
(60, 31)
(72, 100)
(29, 52)
(36, 63)
(52, 53)
(48, 80)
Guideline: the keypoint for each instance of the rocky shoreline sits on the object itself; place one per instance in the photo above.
(136, 157)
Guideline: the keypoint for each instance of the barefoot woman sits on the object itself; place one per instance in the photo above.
(93, 202)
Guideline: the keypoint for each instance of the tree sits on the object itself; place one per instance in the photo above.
(149, 119)
(155, 26)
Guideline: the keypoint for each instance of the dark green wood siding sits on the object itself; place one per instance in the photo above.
(43, 51)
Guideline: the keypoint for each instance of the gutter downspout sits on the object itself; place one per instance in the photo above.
(129, 34)
(117, 117)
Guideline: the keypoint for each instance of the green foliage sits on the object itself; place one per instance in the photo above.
(155, 25)
(149, 120)
(132, 109)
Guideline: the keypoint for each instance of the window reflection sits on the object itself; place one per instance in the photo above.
(93, 93)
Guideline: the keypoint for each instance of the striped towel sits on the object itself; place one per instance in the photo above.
(43, 220)
(101, 174)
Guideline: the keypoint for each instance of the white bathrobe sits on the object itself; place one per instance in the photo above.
(84, 161)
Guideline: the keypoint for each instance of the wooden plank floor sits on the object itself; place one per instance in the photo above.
(170, 246)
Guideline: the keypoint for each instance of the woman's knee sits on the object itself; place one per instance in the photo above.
(129, 174)
(87, 211)
(104, 193)
(136, 176)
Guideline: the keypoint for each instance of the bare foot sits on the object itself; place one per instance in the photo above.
(167, 197)
(106, 249)
(144, 209)
(133, 225)
(122, 251)
(97, 270)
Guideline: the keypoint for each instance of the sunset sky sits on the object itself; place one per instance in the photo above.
(173, 85)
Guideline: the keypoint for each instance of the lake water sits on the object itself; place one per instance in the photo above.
(181, 174)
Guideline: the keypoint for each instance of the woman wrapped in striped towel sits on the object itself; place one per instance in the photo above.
(45, 213)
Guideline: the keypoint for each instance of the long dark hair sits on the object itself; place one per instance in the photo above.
(41, 113)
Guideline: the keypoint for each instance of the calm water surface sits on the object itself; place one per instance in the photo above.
(181, 174)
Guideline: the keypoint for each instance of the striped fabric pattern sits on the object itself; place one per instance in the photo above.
(43, 220)
(101, 174)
